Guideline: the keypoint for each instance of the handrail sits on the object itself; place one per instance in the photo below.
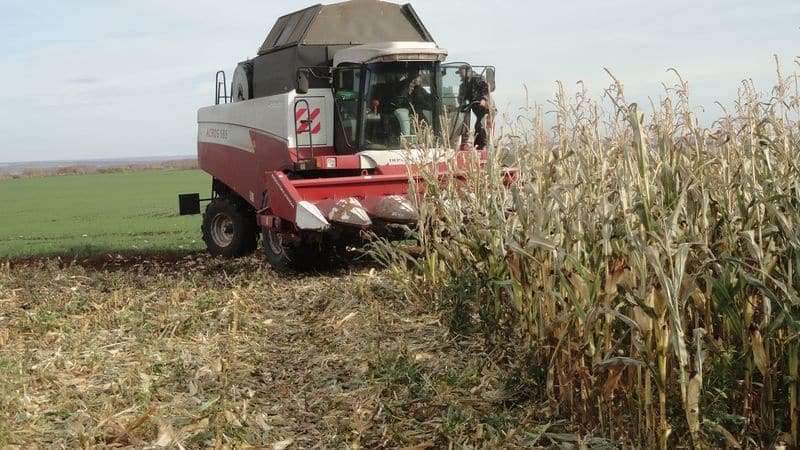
(221, 92)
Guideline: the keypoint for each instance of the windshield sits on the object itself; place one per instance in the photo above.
(399, 100)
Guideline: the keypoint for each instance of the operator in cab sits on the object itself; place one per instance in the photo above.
(421, 99)
(412, 103)
(474, 95)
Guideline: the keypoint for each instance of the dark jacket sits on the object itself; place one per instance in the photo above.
(473, 89)
(421, 99)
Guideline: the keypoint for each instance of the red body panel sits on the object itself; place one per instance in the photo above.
(238, 169)
(378, 194)
(358, 187)
(284, 194)
(243, 171)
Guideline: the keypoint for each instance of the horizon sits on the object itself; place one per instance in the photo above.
(123, 158)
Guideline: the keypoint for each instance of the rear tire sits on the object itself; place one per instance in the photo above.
(229, 228)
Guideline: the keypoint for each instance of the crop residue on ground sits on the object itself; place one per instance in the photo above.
(191, 351)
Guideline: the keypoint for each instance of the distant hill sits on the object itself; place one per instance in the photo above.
(75, 167)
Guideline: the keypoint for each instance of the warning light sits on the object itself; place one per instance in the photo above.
(330, 163)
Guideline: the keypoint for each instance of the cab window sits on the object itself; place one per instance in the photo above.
(399, 97)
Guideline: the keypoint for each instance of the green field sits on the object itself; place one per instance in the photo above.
(81, 215)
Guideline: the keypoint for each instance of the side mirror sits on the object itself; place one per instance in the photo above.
(490, 78)
(302, 81)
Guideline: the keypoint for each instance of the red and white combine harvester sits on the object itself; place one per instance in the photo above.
(312, 143)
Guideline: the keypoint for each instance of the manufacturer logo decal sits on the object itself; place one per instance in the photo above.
(306, 122)
(217, 133)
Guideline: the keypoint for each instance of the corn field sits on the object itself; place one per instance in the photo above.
(640, 275)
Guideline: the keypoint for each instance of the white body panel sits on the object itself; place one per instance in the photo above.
(370, 159)
(227, 134)
(230, 124)
(318, 114)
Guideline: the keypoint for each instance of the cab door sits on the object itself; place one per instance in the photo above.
(457, 114)
(346, 111)
(454, 121)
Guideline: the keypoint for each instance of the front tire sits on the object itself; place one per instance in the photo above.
(229, 228)
(285, 256)
(275, 251)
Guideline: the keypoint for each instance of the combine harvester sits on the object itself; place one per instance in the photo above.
(311, 144)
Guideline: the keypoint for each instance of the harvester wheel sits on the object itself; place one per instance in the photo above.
(286, 256)
(229, 229)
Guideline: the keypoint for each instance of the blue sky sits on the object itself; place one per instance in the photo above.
(108, 79)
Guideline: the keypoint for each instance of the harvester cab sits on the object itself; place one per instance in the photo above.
(312, 142)
(390, 95)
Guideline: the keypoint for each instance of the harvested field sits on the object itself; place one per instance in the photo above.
(189, 351)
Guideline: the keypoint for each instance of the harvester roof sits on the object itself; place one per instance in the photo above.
(390, 51)
(348, 23)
